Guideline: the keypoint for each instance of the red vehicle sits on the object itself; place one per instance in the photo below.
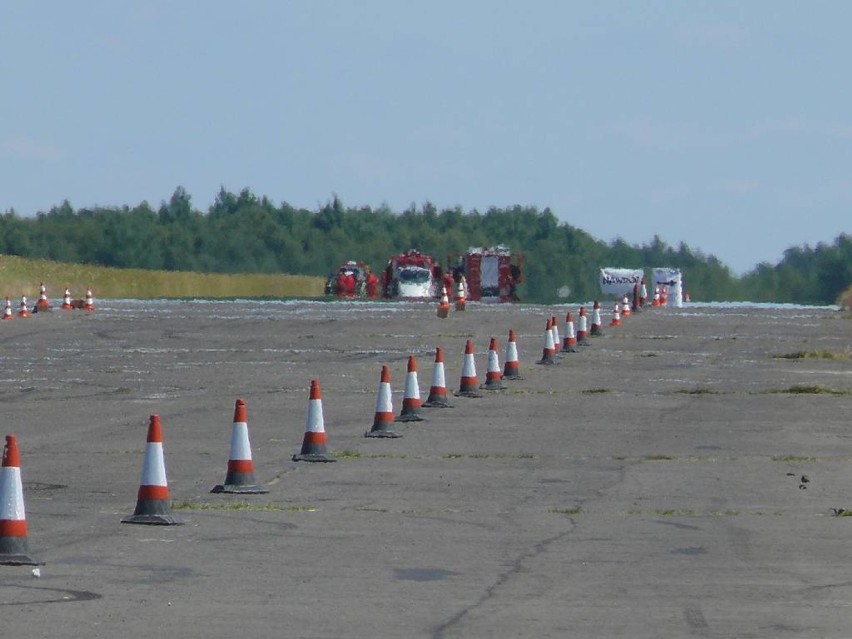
(410, 275)
(492, 274)
(352, 279)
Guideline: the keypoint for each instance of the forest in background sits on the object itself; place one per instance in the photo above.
(243, 233)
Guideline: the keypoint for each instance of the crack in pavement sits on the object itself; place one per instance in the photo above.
(502, 580)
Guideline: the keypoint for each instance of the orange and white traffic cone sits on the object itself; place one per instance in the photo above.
(43, 304)
(7, 313)
(616, 316)
(152, 502)
(597, 325)
(548, 355)
(14, 546)
(664, 296)
(656, 300)
(23, 311)
(240, 475)
(444, 304)
(469, 385)
(625, 306)
(66, 301)
(461, 294)
(383, 420)
(512, 367)
(313, 444)
(438, 390)
(411, 396)
(493, 375)
(569, 341)
(582, 326)
(89, 303)
(554, 328)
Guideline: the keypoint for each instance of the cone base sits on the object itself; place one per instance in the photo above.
(568, 349)
(547, 361)
(512, 376)
(250, 489)
(410, 417)
(443, 313)
(313, 457)
(468, 393)
(19, 560)
(388, 434)
(153, 520)
(436, 403)
(493, 386)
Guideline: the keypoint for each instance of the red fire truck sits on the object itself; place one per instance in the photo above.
(492, 274)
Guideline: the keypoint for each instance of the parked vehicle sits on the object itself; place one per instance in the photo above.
(410, 275)
(492, 274)
(352, 279)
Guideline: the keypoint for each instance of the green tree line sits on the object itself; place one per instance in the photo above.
(243, 233)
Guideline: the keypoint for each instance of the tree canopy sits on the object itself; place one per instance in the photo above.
(243, 233)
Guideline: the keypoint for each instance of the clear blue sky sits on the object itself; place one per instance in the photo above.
(725, 125)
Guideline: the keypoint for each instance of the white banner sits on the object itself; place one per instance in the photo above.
(620, 281)
(672, 278)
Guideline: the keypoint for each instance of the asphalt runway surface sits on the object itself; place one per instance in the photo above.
(648, 485)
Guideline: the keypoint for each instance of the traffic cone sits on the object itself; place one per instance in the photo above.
(569, 340)
(411, 397)
(240, 475)
(469, 384)
(664, 295)
(7, 313)
(383, 420)
(23, 311)
(461, 294)
(616, 316)
(636, 304)
(656, 301)
(66, 301)
(313, 444)
(493, 376)
(643, 292)
(554, 328)
(582, 326)
(89, 304)
(444, 304)
(512, 368)
(152, 501)
(43, 303)
(597, 325)
(14, 546)
(438, 391)
(548, 355)
(625, 306)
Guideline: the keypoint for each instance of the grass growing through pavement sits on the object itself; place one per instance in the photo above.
(576, 510)
(188, 504)
(794, 459)
(821, 354)
(813, 389)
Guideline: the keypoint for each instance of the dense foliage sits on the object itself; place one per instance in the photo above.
(241, 233)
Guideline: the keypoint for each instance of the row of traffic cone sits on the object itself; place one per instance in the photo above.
(43, 304)
(443, 310)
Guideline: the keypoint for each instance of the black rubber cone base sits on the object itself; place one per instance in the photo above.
(153, 520)
(251, 489)
(314, 457)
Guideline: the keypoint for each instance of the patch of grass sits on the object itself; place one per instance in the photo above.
(491, 456)
(189, 504)
(820, 354)
(347, 454)
(576, 510)
(813, 389)
(725, 513)
(675, 512)
(592, 391)
(24, 276)
(794, 459)
(657, 458)
(697, 391)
